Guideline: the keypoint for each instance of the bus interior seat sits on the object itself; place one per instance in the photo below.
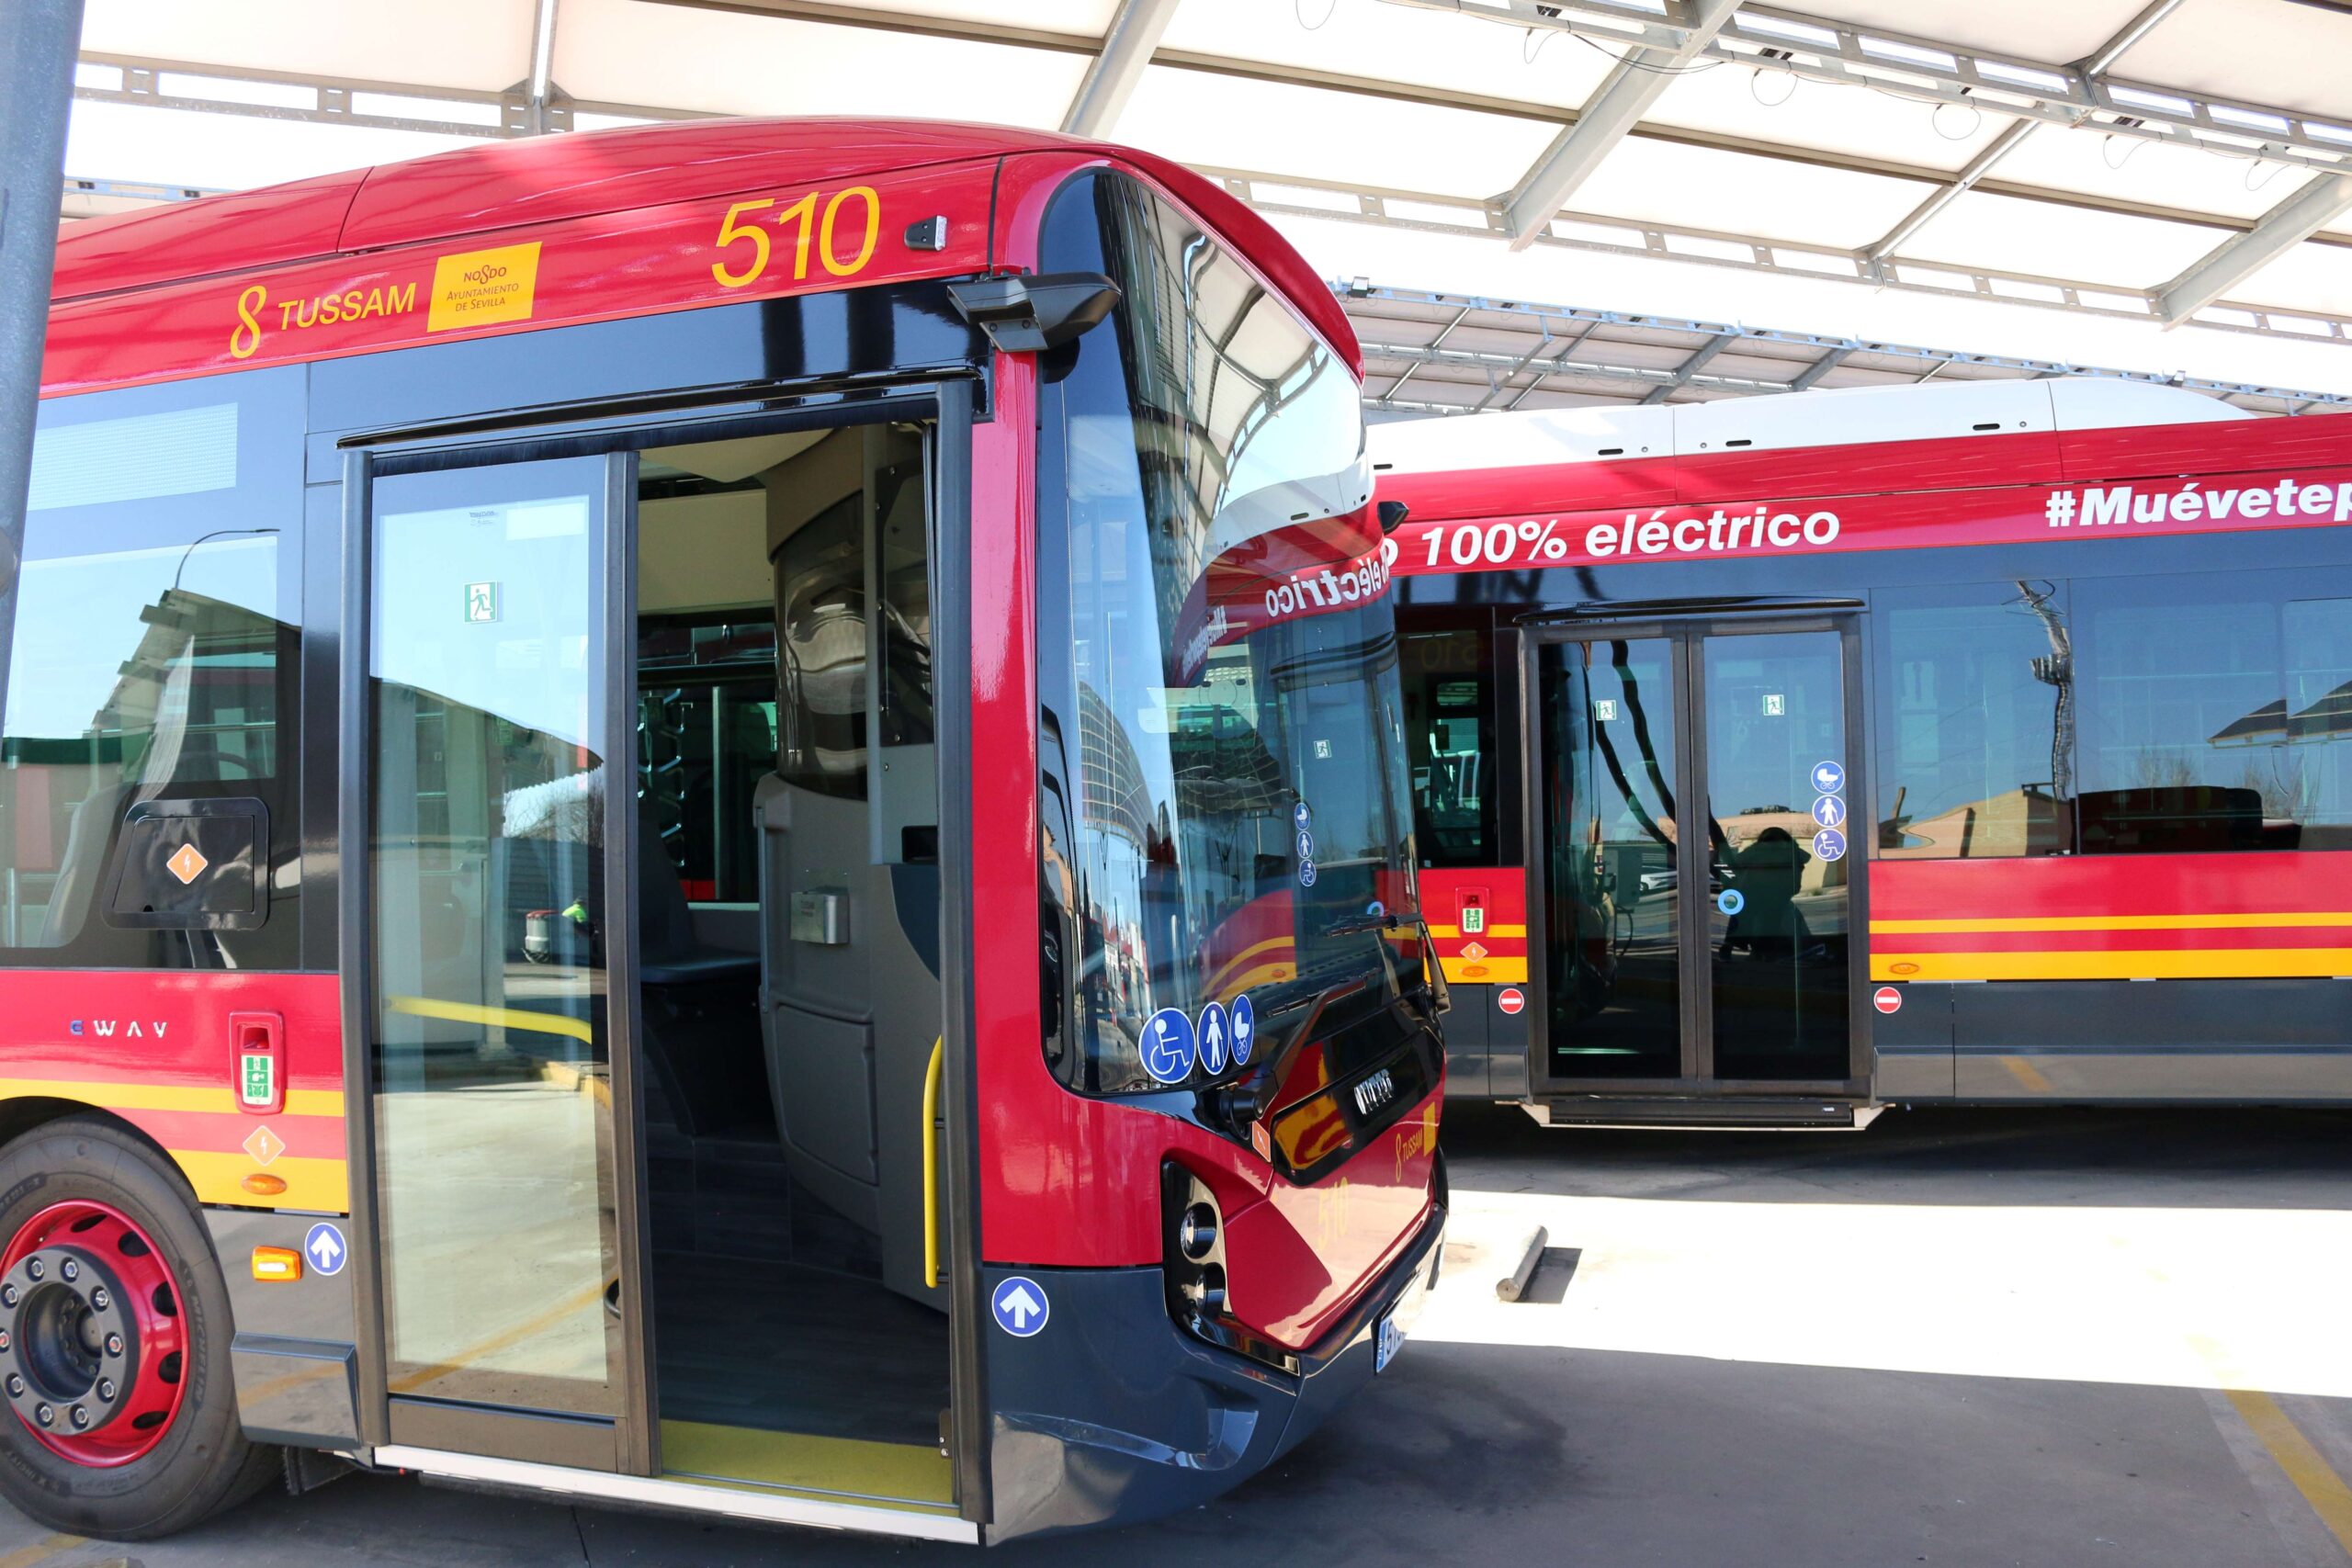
(700, 1022)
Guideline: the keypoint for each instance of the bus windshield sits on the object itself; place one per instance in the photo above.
(1225, 804)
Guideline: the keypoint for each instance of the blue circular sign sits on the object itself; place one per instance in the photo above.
(1244, 1020)
(1828, 778)
(1306, 844)
(325, 1249)
(1215, 1035)
(1829, 844)
(1168, 1047)
(1021, 1306)
(1306, 873)
(1829, 811)
(1731, 900)
(1302, 815)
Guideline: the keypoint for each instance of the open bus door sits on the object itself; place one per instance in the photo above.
(1694, 878)
(652, 1190)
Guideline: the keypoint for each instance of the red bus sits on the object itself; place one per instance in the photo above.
(1779, 760)
(975, 1073)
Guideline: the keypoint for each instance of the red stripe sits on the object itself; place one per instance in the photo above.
(2194, 940)
(2249, 884)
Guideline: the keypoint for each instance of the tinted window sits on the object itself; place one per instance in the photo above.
(2216, 712)
(1451, 741)
(706, 735)
(147, 752)
(1974, 700)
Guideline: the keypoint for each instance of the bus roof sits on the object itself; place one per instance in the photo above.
(507, 185)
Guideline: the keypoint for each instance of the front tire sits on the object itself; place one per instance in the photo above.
(114, 1342)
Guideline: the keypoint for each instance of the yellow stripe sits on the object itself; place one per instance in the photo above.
(310, 1183)
(40, 1550)
(1266, 975)
(166, 1096)
(501, 1017)
(1491, 971)
(2303, 1464)
(915, 1477)
(1450, 932)
(2112, 923)
(2219, 964)
(1217, 987)
(2027, 1073)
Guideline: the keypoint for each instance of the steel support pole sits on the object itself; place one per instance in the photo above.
(38, 40)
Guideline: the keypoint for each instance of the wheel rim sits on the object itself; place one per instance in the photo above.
(93, 1349)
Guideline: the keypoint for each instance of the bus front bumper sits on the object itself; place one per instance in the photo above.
(1114, 1414)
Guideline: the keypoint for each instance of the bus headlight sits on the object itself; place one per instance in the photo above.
(1195, 1263)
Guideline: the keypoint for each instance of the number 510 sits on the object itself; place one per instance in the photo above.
(810, 231)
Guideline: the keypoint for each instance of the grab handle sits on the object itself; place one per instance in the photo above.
(931, 1162)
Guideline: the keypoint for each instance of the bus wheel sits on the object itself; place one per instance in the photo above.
(114, 1343)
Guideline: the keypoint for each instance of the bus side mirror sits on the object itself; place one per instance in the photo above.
(1027, 315)
(1393, 514)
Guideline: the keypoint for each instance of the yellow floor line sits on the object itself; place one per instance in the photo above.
(2302, 1462)
(40, 1550)
(2026, 1073)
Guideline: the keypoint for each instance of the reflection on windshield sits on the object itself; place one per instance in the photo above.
(1222, 746)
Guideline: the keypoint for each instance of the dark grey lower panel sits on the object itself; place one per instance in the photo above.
(1914, 1044)
(1112, 1414)
(1468, 1055)
(2265, 1040)
(303, 1392)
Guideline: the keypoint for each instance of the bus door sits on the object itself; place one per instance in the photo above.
(644, 952)
(482, 974)
(1691, 884)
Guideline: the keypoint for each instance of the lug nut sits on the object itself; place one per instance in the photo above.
(6, 1339)
(36, 1268)
(7, 1295)
(80, 1417)
(70, 1269)
(100, 1300)
(44, 1415)
(16, 1386)
(114, 1344)
(106, 1390)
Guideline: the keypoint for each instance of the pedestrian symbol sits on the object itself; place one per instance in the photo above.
(1829, 811)
(1021, 1307)
(481, 603)
(1168, 1047)
(323, 1247)
(1214, 1036)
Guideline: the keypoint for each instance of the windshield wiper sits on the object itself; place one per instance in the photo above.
(1386, 920)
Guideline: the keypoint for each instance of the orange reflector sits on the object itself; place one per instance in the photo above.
(264, 1185)
(274, 1263)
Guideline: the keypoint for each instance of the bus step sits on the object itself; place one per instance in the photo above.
(1746, 1114)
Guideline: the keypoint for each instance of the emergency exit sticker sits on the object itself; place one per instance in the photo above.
(257, 1078)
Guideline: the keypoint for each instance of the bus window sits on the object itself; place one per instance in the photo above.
(1975, 714)
(150, 716)
(2215, 712)
(1450, 740)
(706, 735)
(1226, 811)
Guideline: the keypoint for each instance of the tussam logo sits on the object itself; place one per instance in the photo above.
(1374, 1092)
(107, 1028)
(2288, 500)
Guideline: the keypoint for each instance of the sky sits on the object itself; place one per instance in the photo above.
(211, 151)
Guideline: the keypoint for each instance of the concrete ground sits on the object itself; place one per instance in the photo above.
(1961, 1337)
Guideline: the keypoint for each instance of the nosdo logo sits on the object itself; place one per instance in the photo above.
(1367, 578)
(484, 273)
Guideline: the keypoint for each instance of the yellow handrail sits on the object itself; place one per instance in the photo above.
(931, 1162)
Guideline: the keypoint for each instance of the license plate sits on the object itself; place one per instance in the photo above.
(1387, 1340)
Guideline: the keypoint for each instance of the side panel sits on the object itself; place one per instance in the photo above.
(154, 1048)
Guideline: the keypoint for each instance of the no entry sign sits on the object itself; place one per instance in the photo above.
(1887, 998)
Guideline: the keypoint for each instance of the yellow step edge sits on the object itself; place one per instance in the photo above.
(910, 1477)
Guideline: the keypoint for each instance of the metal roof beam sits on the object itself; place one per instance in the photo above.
(1438, 341)
(1619, 236)
(2285, 226)
(1633, 85)
(1813, 373)
(1112, 79)
(1692, 367)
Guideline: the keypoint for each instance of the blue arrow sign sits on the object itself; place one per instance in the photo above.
(1021, 1307)
(325, 1249)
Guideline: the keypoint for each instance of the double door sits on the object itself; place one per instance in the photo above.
(1695, 875)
